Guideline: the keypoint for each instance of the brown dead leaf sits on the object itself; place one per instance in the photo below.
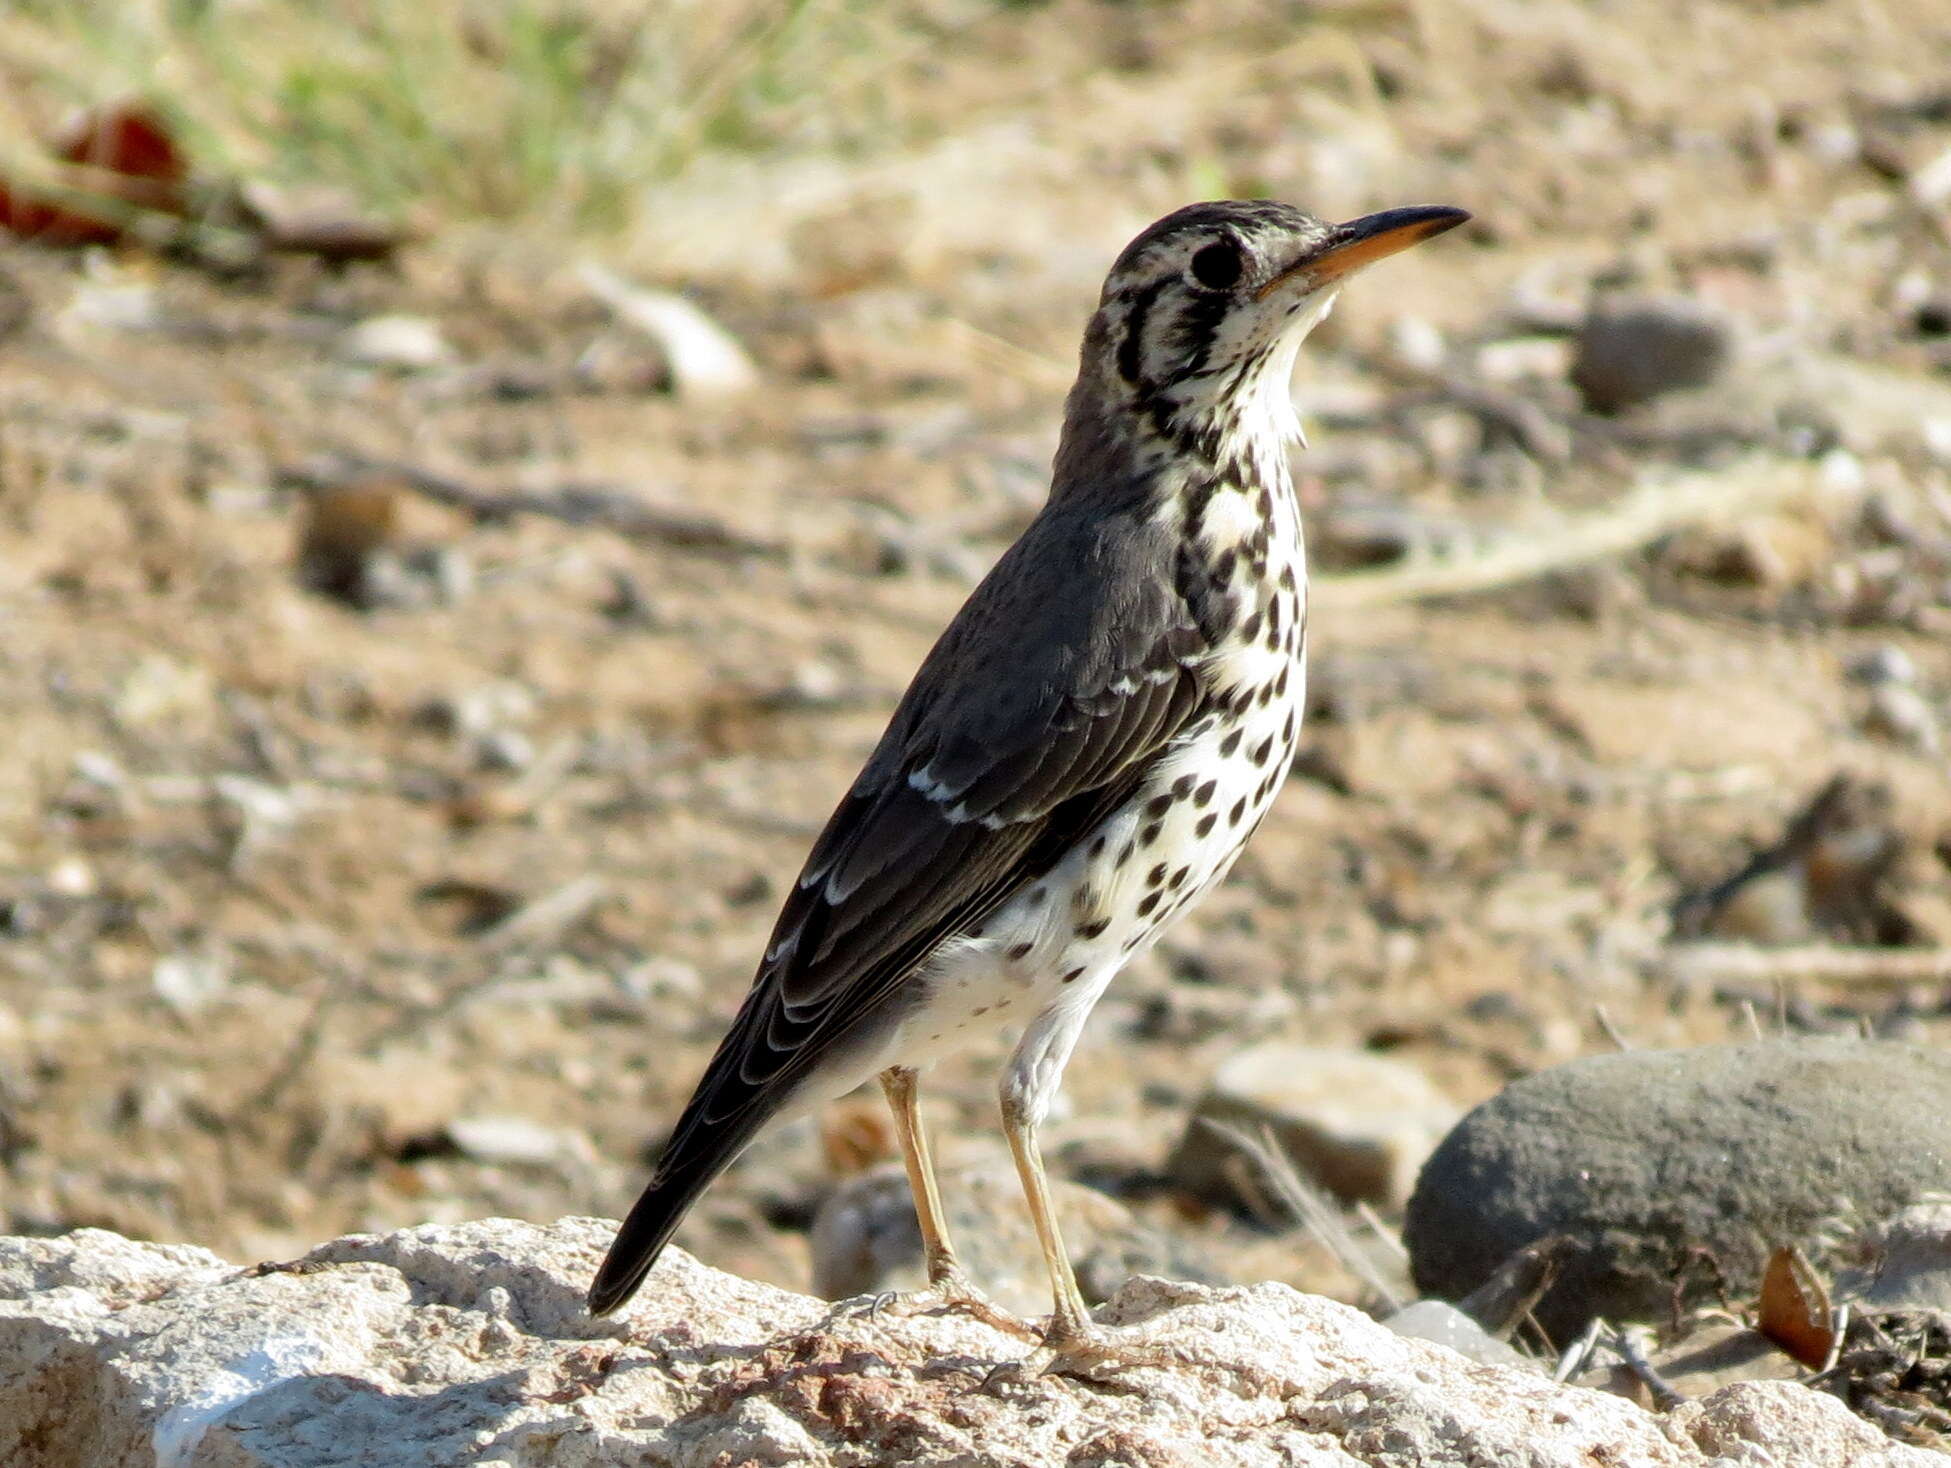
(856, 1136)
(1794, 1311)
(121, 153)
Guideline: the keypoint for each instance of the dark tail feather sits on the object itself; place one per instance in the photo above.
(685, 1171)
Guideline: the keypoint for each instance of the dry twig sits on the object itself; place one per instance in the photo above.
(1655, 509)
(610, 509)
(1705, 965)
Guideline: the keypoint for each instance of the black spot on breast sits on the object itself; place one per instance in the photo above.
(1179, 878)
(1259, 753)
(1206, 823)
(1151, 901)
(1155, 875)
(1069, 978)
(1250, 628)
(1230, 743)
(1158, 805)
(1203, 796)
(1182, 787)
(1265, 696)
(1018, 953)
(1150, 834)
(1287, 729)
(1093, 929)
(1097, 844)
(1127, 852)
(1280, 686)
(1287, 578)
(1196, 501)
(1037, 896)
(1238, 810)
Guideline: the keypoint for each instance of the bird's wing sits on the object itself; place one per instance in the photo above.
(1039, 712)
(1058, 685)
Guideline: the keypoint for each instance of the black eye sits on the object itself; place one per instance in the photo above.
(1217, 267)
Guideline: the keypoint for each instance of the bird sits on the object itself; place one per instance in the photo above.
(1080, 757)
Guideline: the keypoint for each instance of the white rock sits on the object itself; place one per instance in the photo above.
(1514, 359)
(469, 1344)
(404, 343)
(516, 1139)
(1764, 1423)
(1900, 713)
(190, 982)
(108, 300)
(1442, 1323)
(1360, 1124)
(1417, 342)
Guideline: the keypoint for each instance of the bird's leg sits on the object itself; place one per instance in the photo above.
(1070, 1319)
(1074, 1343)
(949, 1287)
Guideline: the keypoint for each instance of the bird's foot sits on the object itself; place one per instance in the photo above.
(951, 1293)
(1086, 1351)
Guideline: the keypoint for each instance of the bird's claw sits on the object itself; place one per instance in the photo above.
(948, 1296)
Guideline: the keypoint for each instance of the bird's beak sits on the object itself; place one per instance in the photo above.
(1363, 241)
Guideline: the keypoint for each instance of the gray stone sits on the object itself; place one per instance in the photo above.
(1679, 1170)
(865, 1239)
(1359, 1124)
(1909, 1265)
(1633, 348)
(446, 1345)
(1442, 1323)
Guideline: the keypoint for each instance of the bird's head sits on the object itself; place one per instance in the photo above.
(1196, 331)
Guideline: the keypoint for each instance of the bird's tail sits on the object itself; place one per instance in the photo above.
(687, 1168)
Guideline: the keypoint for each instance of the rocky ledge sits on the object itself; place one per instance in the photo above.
(468, 1344)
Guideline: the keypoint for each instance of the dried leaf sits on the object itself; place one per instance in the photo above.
(126, 138)
(121, 153)
(1795, 1312)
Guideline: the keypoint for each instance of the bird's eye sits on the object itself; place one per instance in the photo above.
(1217, 267)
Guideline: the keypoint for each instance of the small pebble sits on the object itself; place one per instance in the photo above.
(1883, 664)
(402, 343)
(1899, 712)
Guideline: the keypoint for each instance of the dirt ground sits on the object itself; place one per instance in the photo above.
(320, 873)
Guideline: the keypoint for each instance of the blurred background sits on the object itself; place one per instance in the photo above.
(474, 478)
